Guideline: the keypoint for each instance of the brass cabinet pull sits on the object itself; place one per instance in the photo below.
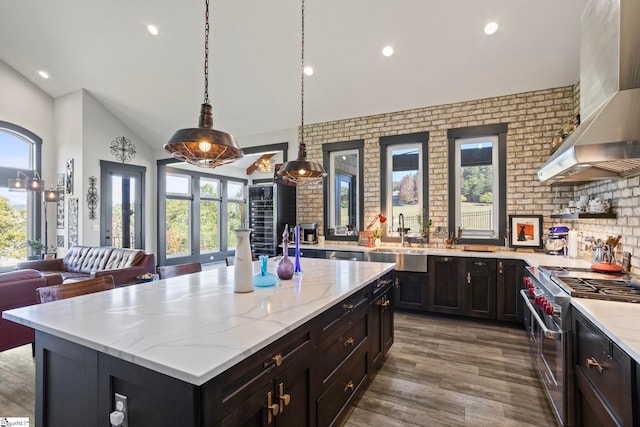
(350, 341)
(591, 361)
(273, 409)
(347, 307)
(285, 399)
(469, 277)
(349, 386)
(277, 360)
(383, 282)
(500, 267)
(397, 282)
(386, 303)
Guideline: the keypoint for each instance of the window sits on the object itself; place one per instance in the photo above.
(343, 207)
(477, 183)
(404, 182)
(178, 215)
(20, 212)
(209, 217)
(198, 213)
(235, 211)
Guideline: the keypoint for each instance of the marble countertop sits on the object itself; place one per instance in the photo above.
(533, 259)
(194, 327)
(619, 320)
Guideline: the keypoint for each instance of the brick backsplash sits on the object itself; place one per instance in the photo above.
(534, 119)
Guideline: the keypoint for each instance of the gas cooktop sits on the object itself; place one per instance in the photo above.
(586, 283)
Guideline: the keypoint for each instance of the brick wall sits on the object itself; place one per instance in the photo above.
(534, 119)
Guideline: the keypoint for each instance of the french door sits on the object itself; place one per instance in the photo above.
(122, 205)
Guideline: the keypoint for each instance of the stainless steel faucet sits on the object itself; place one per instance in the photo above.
(401, 229)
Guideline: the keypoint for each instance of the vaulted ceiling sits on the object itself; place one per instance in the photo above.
(154, 84)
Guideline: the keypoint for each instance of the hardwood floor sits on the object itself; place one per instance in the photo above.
(453, 372)
(17, 383)
(439, 372)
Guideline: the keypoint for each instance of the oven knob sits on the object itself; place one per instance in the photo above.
(527, 281)
(549, 310)
(531, 292)
(537, 299)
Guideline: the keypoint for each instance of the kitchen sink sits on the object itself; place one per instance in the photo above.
(406, 259)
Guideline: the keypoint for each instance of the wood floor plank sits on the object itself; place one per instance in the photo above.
(444, 371)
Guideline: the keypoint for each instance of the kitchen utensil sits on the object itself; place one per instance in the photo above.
(605, 267)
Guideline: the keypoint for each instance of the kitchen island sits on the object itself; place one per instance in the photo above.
(190, 349)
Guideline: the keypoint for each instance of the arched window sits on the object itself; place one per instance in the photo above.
(20, 211)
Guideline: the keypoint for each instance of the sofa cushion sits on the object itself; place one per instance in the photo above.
(85, 259)
(14, 276)
(123, 258)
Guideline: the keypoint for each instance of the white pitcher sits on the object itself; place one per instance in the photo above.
(243, 269)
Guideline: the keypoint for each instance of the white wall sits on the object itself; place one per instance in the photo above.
(68, 141)
(100, 128)
(25, 105)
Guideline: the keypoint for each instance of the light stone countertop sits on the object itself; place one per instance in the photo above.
(619, 320)
(194, 327)
(533, 259)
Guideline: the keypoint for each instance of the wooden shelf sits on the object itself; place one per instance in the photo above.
(584, 215)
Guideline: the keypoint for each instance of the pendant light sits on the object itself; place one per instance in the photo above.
(302, 171)
(204, 146)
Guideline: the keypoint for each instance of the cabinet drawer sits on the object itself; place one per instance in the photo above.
(337, 347)
(382, 283)
(347, 381)
(606, 367)
(346, 311)
(234, 386)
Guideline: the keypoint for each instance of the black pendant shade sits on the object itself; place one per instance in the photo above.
(204, 146)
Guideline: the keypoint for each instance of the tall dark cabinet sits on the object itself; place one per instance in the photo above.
(271, 207)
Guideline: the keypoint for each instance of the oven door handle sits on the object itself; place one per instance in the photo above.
(548, 333)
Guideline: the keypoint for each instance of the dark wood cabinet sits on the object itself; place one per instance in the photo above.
(462, 286)
(411, 290)
(603, 377)
(446, 289)
(510, 306)
(381, 324)
(480, 287)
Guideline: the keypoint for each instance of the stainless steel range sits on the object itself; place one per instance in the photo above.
(547, 296)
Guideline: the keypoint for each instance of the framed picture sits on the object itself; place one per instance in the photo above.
(49, 255)
(60, 180)
(526, 231)
(69, 176)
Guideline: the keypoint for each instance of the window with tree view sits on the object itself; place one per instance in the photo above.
(478, 185)
(403, 161)
(18, 209)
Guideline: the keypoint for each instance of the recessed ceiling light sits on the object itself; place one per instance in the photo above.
(308, 71)
(43, 74)
(490, 28)
(387, 51)
(152, 29)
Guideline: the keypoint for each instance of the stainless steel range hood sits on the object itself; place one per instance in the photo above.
(607, 143)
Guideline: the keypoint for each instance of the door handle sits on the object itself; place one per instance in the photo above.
(273, 409)
(500, 267)
(468, 277)
(285, 398)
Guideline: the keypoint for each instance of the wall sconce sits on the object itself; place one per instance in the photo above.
(51, 195)
(27, 183)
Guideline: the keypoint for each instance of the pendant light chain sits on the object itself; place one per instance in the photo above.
(302, 81)
(206, 53)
